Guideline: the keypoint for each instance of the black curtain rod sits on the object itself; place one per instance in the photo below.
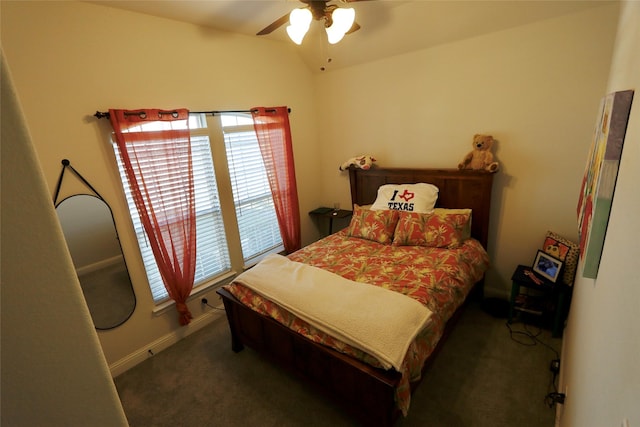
(102, 115)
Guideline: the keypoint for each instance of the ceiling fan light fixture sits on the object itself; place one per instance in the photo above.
(343, 19)
(300, 20)
(296, 34)
(334, 36)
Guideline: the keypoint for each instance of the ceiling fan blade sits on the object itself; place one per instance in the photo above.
(274, 25)
(355, 27)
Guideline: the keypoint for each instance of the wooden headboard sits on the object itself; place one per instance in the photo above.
(458, 189)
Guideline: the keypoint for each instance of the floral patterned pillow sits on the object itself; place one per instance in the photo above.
(377, 226)
(466, 234)
(431, 230)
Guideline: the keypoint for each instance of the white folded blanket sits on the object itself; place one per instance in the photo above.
(373, 319)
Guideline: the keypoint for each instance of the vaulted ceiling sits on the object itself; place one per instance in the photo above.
(388, 27)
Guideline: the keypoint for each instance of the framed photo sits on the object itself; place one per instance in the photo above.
(556, 249)
(547, 266)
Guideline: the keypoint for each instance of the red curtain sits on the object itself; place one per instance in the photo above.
(274, 138)
(160, 174)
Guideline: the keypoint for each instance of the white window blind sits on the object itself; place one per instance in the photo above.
(212, 254)
(255, 211)
(252, 200)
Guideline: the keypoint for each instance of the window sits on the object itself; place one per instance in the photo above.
(255, 212)
(235, 228)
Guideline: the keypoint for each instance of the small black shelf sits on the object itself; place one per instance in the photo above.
(546, 300)
(331, 214)
(320, 211)
(531, 304)
(529, 311)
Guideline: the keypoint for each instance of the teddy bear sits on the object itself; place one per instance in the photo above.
(480, 158)
(362, 162)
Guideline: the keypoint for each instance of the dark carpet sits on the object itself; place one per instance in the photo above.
(487, 374)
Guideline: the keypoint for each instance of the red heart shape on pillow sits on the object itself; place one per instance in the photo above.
(407, 195)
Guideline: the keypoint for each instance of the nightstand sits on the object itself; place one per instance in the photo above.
(331, 214)
(549, 299)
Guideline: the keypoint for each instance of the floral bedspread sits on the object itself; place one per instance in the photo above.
(438, 278)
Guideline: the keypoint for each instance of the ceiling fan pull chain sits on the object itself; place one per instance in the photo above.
(325, 59)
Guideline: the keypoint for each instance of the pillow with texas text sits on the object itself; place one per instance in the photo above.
(419, 198)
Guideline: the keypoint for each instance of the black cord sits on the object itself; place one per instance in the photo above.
(552, 387)
(206, 302)
(532, 338)
(528, 335)
(553, 398)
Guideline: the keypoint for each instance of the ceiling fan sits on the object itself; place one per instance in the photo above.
(337, 21)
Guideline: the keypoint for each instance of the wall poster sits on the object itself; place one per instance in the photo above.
(601, 173)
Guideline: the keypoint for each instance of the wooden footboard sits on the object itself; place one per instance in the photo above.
(368, 393)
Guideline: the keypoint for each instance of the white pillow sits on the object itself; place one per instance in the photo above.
(419, 198)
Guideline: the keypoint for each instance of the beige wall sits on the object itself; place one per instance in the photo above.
(535, 88)
(599, 369)
(53, 369)
(72, 58)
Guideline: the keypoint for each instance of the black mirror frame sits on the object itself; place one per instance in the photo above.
(66, 164)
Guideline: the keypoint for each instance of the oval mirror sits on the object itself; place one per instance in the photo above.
(89, 229)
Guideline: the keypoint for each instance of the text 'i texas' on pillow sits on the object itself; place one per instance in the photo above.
(377, 226)
(420, 198)
(431, 230)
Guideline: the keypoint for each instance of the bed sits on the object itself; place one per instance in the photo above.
(373, 392)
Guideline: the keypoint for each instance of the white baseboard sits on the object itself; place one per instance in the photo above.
(96, 266)
(162, 343)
